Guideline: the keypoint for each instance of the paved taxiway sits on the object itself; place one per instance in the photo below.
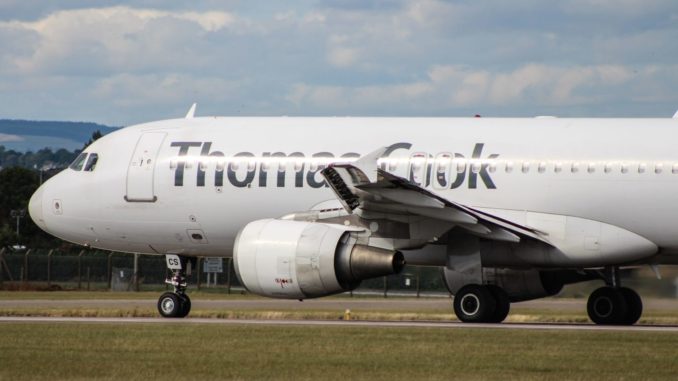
(357, 304)
(341, 323)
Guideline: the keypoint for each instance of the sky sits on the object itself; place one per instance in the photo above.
(127, 62)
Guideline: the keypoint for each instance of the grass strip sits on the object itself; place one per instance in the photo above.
(526, 316)
(157, 352)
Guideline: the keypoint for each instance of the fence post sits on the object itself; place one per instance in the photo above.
(2, 269)
(49, 268)
(80, 269)
(87, 278)
(25, 280)
(199, 261)
(136, 272)
(228, 275)
(385, 287)
(418, 281)
(109, 269)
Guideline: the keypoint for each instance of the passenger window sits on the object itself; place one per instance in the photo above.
(475, 167)
(526, 167)
(575, 167)
(91, 162)
(591, 168)
(442, 171)
(542, 167)
(282, 165)
(461, 166)
(252, 165)
(509, 167)
(298, 165)
(658, 168)
(557, 168)
(78, 162)
(443, 163)
(392, 165)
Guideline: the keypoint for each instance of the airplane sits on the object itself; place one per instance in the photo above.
(510, 209)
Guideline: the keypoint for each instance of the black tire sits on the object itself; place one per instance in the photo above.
(503, 307)
(607, 306)
(474, 304)
(169, 305)
(634, 304)
(185, 306)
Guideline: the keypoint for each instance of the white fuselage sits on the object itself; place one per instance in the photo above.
(156, 187)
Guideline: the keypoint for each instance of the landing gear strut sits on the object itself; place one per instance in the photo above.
(613, 304)
(481, 304)
(176, 304)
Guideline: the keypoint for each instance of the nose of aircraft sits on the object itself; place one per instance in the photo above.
(35, 208)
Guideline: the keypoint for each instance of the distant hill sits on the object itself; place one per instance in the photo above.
(30, 135)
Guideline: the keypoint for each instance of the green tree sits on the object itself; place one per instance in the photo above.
(95, 136)
(17, 185)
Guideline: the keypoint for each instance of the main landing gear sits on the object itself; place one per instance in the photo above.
(481, 304)
(613, 304)
(176, 304)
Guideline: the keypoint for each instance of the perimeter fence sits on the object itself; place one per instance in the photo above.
(79, 269)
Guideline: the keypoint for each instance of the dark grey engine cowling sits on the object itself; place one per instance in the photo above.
(298, 260)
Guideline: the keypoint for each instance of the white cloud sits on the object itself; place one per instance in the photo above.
(162, 88)
(341, 56)
(461, 86)
(116, 38)
(148, 59)
(5, 138)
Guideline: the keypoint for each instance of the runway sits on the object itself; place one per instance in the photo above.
(342, 323)
(354, 304)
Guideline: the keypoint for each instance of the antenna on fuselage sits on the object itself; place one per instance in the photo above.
(191, 111)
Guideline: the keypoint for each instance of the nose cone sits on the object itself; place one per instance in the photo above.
(35, 208)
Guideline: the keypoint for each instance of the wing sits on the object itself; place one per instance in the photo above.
(365, 190)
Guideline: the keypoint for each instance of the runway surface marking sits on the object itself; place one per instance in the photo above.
(342, 323)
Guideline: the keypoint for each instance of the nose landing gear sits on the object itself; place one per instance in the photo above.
(176, 304)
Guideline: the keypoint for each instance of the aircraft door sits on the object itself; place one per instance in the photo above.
(140, 173)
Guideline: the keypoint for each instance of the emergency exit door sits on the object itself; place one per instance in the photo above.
(140, 173)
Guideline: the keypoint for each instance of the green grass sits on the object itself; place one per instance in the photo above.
(175, 351)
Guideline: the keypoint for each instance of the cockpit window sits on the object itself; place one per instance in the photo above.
(91, 162)
(78, 162)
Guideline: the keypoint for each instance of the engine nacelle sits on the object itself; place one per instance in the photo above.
(297, 260)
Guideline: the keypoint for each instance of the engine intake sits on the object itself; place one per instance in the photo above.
(298, 260)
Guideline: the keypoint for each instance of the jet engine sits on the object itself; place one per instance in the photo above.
(298, 260)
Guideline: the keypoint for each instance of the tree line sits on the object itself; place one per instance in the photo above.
(21, 173)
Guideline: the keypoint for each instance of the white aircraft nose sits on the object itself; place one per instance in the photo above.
(35, 208)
